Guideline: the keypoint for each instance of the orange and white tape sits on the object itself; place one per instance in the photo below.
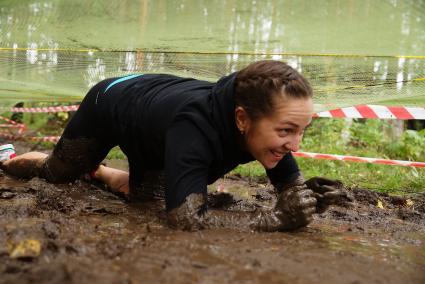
(359, 159)
(55, 139)
(45, 109)
(9, 121)
(360, 111)
(375, 111)
(52, 139)
(12, 124)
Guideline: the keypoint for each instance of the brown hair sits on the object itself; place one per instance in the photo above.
(260, 82)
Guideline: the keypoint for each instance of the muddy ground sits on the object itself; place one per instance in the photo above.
(80, 233)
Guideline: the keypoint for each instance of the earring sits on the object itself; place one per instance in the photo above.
(242, 131)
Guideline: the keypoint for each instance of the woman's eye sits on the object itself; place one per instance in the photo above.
(284, 131)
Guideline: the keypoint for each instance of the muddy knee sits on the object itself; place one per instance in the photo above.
(70, 159)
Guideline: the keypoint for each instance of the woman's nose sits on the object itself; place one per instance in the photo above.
(294, 143)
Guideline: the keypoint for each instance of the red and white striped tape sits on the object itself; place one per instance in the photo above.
(375, 111)
(359, 159)
(360, 111)
(12, 124)
(52, 139)
(45, 109)
(55, 139)
(10, 121)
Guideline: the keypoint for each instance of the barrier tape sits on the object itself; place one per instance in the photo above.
(375, 111)
(359, 159)
(52, 139)
(55, 139)
(360, 111)
(9, 120)
(10, 126)
(45, 109)
(13, 124)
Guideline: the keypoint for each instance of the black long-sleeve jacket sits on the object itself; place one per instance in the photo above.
(183, 126)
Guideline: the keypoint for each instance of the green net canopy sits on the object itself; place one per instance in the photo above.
(353, 52)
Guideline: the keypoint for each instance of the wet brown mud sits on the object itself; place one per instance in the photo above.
(79, 233)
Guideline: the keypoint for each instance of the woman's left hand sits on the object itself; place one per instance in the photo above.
(328, 192)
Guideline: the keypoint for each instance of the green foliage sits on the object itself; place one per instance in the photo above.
(253, 170)
(318, 140)
(116, 153)
(411, 146)
(365, 138)
(367, 134)
(394, 179)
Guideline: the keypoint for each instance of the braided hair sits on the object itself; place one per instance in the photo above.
(258, 84)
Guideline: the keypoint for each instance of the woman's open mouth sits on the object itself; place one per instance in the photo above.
(277, 154)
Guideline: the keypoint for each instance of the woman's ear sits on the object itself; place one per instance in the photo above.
(242, 119)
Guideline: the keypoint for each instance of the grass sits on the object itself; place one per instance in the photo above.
(359, 138)
(383, 178)
(116, 153)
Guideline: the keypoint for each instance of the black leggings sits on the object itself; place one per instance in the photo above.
(85, 142)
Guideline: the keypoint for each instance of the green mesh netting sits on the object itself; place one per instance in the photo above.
(55, 50)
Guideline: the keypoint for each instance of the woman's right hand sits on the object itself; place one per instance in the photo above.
(294, 209)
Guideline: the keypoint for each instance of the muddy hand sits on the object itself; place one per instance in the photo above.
(191, 215)
(294, 209)
(328, 192)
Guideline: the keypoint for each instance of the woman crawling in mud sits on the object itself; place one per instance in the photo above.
(194, 131)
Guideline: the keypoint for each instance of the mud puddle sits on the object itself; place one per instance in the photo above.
(79, 233)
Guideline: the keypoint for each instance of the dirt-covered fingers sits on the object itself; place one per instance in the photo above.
(333, 194)
(307, 197)
(308, 213)
(322, 185)
(321, 181)
(308, 207)
(295, 207)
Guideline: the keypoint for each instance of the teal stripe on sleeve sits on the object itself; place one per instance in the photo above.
(121, 80)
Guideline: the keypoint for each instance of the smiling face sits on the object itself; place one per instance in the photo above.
(269, 138)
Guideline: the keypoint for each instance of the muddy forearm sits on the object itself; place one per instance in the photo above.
(294, 180)
(294, 209)
(267, 221)
(190, 215)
